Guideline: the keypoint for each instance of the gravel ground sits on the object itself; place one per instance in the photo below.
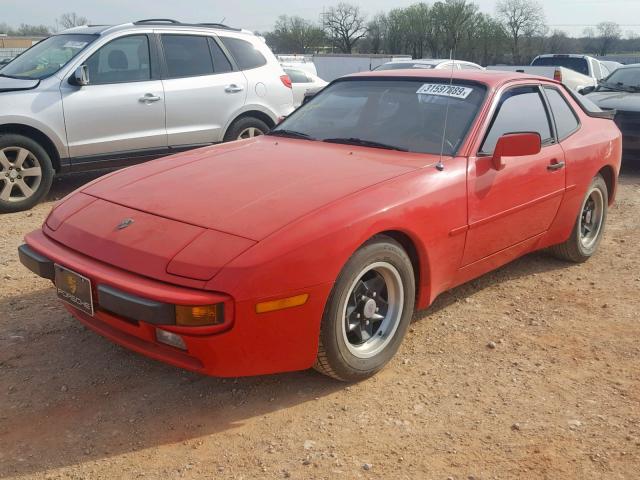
(528, 372)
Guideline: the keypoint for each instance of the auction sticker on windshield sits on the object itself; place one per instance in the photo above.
(444, 90)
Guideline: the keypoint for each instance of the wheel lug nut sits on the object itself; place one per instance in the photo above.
(19, 177)
(374, 294)
(377, 309)
(363, 298)
(366, 322)
(357, 315)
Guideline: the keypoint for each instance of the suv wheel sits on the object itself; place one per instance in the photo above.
(246, 127)
(26, 173)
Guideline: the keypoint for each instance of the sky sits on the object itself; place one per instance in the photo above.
(572, 16)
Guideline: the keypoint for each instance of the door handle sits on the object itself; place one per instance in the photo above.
(233, 88)
(150, 98)
(555, 165)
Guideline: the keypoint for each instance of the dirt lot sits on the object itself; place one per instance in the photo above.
(558, 396)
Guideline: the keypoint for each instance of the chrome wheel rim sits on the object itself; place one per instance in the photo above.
(20, 174)
(591, 218)
(249, 133)
(372, 310)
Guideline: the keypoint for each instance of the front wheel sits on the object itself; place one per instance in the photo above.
(368, 311)
(26, 173)
(589, 227)
(244, 128)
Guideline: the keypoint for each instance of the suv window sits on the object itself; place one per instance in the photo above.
(566, 121)
(510, 118)
(578, 64)
(468, 66)
(297, 76)
(221, 63)
(125, 59)
(246, 55)
(187, 55)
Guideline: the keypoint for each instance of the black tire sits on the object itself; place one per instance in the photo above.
(9, 145)
(574, 249)
(242, 125)
(335, 357)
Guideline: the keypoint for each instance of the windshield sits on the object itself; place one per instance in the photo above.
(406, 115)
(623, 78)
(403, 65)
(579, 65)
(47, 57)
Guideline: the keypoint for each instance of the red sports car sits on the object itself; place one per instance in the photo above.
(313, 245)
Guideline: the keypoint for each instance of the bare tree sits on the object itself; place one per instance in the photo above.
(345, 25)
(558, 42)
(520, 18)
(608, 33)
(456, 16)
(376, 30)
(70, 20)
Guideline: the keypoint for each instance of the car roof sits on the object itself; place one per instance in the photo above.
(152, 23)
(491, 78)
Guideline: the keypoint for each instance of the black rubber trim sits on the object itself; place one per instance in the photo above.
(35, 262)
(135, 308)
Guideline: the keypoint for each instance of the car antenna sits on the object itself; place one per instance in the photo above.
(440, 164)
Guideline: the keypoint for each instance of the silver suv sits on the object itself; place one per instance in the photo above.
(107, 96)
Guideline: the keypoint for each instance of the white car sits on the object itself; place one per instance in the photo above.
(302, 82)
(430, 63)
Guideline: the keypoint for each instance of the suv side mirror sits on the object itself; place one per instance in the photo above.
(515, 145)
(587, 90)
(80, 77)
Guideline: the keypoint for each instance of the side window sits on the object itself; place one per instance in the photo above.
(125, 59)
(566, 121)
(297, 76)
(245, 54)
(187, 55)
(521, 109)
(221, 63)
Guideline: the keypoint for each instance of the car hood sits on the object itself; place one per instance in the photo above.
(251, 188)
(622, 101)
(16, 84)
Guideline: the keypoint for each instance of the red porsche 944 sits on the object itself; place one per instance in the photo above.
(312, 246)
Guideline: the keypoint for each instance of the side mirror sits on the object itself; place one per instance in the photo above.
(515, 145)
(587, 90)
(80, 77)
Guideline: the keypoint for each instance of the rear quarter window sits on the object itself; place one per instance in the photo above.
(566, 121)
(245, 54)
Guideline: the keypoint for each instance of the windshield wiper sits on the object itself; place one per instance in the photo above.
(618, 87)
(290, 133)
(364, 143)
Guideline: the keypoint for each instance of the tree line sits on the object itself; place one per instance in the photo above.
(64, 21)
(515, 33)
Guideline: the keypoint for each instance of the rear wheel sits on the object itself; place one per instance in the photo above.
(246, 127)
(368, 311)
(589, 227)
(26, 173)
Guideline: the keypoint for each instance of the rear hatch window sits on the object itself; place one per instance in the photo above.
(579, 65)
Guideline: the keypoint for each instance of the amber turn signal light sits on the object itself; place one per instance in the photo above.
(282, 303)
(199, 315)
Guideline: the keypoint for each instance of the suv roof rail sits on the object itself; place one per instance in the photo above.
(170, 21)
(219, 25)
(157, 20)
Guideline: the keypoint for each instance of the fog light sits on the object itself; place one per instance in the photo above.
(199, 316)
(169, 338)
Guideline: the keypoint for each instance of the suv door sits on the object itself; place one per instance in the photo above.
(203, 89)
(509, 206)
(122, 107)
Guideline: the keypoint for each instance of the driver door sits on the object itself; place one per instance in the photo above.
(512, 205)
(122, 109)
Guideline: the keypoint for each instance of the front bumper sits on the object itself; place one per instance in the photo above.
(129, 308)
